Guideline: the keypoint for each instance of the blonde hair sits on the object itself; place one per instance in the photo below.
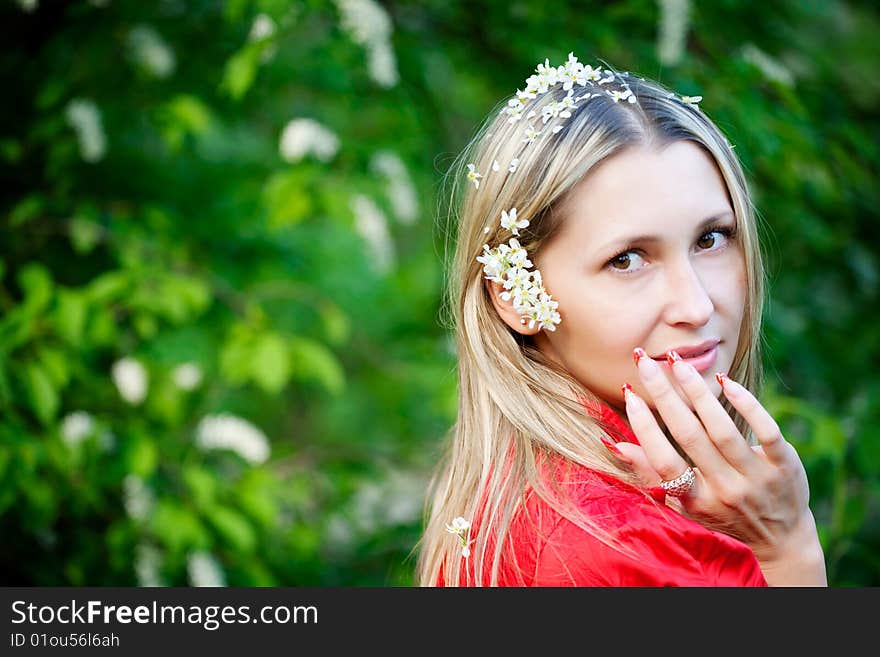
(515, 406)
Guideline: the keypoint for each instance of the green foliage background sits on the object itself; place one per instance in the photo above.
(192, 240)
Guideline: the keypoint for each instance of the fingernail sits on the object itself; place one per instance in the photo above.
(625, 388)
(682, 370)
(613, 448)
(672, 357)
(728, 385)
(648, 366)
(638, 353)
(658, 493)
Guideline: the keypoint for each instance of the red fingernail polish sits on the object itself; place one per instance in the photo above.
(612, 447)
(658, 493)
(626, 388)
(719, 376)
(638, 353)
(672, 356)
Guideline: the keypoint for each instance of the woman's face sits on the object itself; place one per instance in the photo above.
(681, 284)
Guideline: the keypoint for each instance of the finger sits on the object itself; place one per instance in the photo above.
(762, 423)
(683, 425)
(718, 425)
(662, 456)
(638, 462)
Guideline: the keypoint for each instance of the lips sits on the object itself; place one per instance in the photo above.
(690, 351)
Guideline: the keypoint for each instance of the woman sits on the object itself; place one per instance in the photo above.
(607, 267)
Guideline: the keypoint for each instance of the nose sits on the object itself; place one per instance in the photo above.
(688, 299)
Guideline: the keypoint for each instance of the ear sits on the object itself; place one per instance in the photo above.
(507, 312)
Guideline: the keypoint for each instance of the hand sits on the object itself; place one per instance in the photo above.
(758, 495)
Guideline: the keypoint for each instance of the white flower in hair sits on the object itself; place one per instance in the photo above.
(508, 221)
(493, 263)
(517, 280)
(473, 176)
(617, 95)
(525, 95)
(592, 74)
(461, 528)
(458, 525)
(692, 101)
(514, 163)
(509, 265)
(531, 134)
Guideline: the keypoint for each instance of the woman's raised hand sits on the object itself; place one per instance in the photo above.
(758, 495)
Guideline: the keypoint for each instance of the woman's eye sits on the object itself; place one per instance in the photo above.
(623, 259)
(725, 233)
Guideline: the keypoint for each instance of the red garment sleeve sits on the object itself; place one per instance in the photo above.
(665, 549)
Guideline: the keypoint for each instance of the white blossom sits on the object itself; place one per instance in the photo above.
(204, 569)
(508, 221)
(263, 27)
(147, 562)
(372, 226)
(461, 528)
(672, 30)
(226, 431)
(187, 376)
(382, 64)
(369, 25)
(394, 499)
(85, 119)
(150, 51)
(76, 426)
(473, 175)
(458, 525)
(302, 137)
(401, 192)
(770, 67)
(138, 498)
(130, 378)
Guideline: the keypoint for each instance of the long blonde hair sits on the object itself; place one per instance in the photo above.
(516, 407)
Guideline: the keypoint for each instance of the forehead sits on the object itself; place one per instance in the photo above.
(642, 190)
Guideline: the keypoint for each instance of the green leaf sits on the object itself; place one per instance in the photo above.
(287, 199)
(313, 361)
(178, 528)
(84, 234)
(141, 456)
(55, 363)
(183, 115)
(233, 529)
(235, 354)
(25, 210)
(337, 327)
(70, 316)
(101, 329)
(270, 362)
(240, 71)
(36, 283)
(41, 393)
(109, 286)
(202, 486)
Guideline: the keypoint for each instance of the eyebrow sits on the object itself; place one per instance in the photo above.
(623, 242)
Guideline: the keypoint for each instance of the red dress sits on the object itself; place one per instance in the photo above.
(546, 549)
